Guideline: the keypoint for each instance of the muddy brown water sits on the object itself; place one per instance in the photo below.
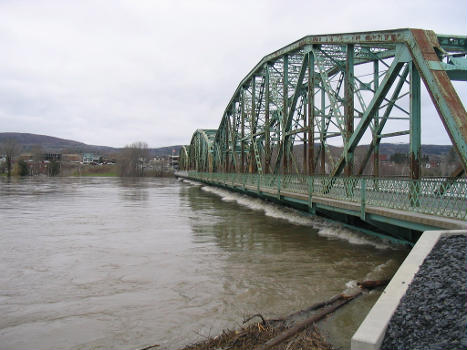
(92, 263)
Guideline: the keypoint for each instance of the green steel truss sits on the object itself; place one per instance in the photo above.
(200, 151)
(285, 115)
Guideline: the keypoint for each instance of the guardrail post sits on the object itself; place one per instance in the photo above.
(414, 193)
(311, 206)
(362, 198)
(278, 186)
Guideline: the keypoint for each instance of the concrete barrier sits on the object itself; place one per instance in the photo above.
(370, 334)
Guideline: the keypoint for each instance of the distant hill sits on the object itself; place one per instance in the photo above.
(57, 145)
(166, 151)
(52, 144)
(391, 148)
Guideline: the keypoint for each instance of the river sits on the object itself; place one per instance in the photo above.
(94, 263)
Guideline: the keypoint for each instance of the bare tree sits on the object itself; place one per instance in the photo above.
(10, 148)
(37, 157)
(133, 158)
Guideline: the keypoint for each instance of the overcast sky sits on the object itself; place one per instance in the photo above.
(113, 72)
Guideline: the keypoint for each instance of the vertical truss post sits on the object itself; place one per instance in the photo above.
(305, 141)
(445, 98)
(415, 133)
(242, 145)
(415, 122)
(226, 147)
(267, 141)
(362, 198)
(285, 92)
(323, 130)
(349, 106)
(234, 136)
(252, 125)
(376, 123)
(311, 115)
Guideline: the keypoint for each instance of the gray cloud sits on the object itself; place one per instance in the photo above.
(112, 72)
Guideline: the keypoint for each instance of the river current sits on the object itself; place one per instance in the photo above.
(110, 263)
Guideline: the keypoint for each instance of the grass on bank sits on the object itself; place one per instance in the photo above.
(96, 171)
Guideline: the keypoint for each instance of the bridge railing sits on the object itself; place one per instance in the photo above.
(434, 196)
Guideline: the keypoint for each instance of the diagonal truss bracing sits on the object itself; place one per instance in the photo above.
(299, 101)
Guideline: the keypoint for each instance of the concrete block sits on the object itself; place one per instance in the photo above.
(370, 334)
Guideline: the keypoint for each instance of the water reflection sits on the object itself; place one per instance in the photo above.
(133, 189)
(274, 266)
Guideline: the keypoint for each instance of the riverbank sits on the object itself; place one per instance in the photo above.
(259, 333)
(91, 170)
(295, 331)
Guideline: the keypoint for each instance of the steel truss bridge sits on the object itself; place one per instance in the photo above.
(277, 136)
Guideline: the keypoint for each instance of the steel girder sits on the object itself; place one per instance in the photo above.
(342, 85)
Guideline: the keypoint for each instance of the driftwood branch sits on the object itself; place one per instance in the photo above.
(150, 347)
(252, 317)
(336, 301)
(302, 325)
(364, 285)
(372, 284)
(313, 307)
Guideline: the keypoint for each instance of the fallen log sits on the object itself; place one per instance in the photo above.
(364, 285)
(255, 315)
(302, 325)
(150, 347)
(372, 284)
(313, 307)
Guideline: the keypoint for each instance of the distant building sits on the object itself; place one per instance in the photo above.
(173, 161)
(25, 156)
(90, 158)
(53, 157)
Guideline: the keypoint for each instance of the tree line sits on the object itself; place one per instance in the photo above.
(132, 161)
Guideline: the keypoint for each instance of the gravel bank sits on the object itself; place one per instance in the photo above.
(433, 312)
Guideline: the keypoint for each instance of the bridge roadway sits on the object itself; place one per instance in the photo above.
(398, 209)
